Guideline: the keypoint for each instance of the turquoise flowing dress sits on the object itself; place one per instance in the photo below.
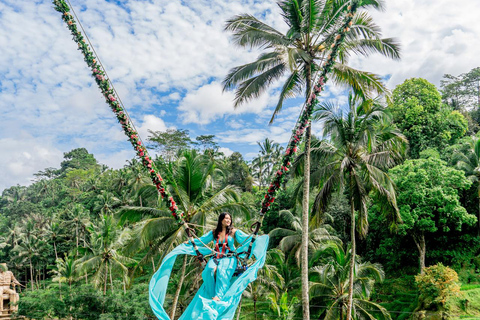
(222, 285)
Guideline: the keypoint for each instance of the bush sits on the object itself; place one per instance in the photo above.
(436, 285)
(85, 302)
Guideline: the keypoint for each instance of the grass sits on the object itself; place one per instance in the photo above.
(467, 304)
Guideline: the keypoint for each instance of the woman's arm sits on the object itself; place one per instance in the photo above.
(206, 238)
(240, 236)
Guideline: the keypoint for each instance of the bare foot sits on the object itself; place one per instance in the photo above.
(216, 299)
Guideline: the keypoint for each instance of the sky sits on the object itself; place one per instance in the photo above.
(167, 59)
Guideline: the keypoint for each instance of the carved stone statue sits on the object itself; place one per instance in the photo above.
(7, 279)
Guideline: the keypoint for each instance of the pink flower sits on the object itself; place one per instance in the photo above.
(100, 77)
(139, 143)
(295, 149)
(95, 70)
(279, 173)
(287, 151)
(141, 153)
(111, 97)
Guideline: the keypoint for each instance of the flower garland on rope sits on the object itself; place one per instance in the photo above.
(305, 118)
(103, 83)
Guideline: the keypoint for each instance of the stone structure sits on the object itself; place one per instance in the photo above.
(8, 295)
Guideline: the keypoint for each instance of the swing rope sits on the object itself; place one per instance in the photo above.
(113, 100)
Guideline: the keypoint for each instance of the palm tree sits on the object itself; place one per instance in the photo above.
(468, 160)
(362, 146)
(292, 236)
(192, 180)
(106, 202)
(104, 255)
(77, 217)
(27, 250)
(330, 284)
(53, 231)
(66, 270)
(259, 166)
(298, 54)
(269, 283)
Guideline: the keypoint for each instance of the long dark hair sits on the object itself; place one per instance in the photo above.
(218, 229)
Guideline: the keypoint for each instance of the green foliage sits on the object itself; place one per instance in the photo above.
(428, 196)
(463, 91)
(85, 302)
(285, 310)
(170, 142)
(418, 111)
(436, 285)
(77, 159)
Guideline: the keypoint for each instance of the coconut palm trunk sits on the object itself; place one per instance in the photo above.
(31, 273)
(305, 212)
(352, 263)
(179, 288)
(239, 310)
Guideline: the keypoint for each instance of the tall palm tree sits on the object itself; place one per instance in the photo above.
(104, 256)
(27, 250)
(76, 216)
(312, 25)
(330, 283)
(106, 202)
(468, 160)
(259, 167)
(193, 181)
(269, 149)
(362, 145)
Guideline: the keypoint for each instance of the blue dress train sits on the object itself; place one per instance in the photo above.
(222, 284)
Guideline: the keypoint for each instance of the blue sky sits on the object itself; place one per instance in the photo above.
(167, 60)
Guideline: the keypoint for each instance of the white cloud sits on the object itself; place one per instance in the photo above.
(436, 38)
(209, 103)
(226, 151)
(151, 122)
(23, 156)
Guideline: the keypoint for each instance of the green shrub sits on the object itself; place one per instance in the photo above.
(436, 285)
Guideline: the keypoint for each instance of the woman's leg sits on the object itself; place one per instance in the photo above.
(225, 270)
(208, 276)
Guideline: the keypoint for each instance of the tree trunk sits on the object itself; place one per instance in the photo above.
(422, 249)
(179, 288)
(153, 265)
(255, 307)
(305, 211)
(76, 234)
(111, 279)
(55, 248)
(239, 309)
(31, 274)
(305, 228)
(352, 258)
(478, 216)
(106, 279)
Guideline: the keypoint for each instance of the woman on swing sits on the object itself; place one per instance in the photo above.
(220, 293)
(220, 268)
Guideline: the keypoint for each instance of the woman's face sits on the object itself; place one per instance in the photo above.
(227, 221)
